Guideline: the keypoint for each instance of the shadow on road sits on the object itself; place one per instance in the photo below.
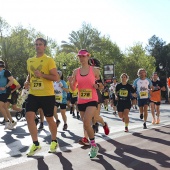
(135, 157)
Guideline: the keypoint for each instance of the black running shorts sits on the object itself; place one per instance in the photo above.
(47, 103)
(82, 107)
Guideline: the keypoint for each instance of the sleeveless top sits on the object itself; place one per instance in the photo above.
(86, 91)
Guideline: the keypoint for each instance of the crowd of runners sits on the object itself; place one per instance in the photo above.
(83, 93)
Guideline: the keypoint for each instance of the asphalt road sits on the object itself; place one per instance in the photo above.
(138, 149)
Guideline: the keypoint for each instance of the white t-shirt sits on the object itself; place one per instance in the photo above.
(142, 88)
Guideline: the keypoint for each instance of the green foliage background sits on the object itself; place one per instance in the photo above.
(17, 45)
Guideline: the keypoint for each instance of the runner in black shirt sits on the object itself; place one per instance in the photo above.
(123, 94)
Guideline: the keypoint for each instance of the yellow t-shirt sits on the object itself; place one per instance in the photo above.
(75, 93)
(68, 84)
(15, 82)
(40, 86)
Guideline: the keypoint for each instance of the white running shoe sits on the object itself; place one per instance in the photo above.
(12, 125)
(7, 125)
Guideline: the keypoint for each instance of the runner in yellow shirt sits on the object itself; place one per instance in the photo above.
(41, 74)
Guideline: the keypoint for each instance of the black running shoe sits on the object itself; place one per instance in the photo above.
(126, 129)
(114, 113)
(41, 126)
(141, 116)
(144, 126)
(65, 127)
(78, 116)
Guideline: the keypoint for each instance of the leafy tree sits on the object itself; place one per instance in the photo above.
(155, 48)
(69, 59)
(4, 30)
(100, 47)
(137, 58)
(161, 52)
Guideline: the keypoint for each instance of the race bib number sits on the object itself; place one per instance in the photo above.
(143, 95)
(58, 99)
(106, 93)
(86, 94)
(123, 93)
(74, 95)
(37, 85)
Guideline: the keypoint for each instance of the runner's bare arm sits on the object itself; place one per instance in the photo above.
(53, 76)
(73, 81)
(10, 82)
(96, 73)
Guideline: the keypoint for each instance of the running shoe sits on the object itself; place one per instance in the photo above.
(93, 151)
(71, 109)
(141, 116)
(78, 116)
(33, 150)
(12, 124)
(7, 125)
(65, 127)
(106, 129)
(144, 126)
(114, 113)
(53, 147)
(126, 129)
(157, 121)
(84, 141)
(73, 114)
(41, 126)
(58, 122)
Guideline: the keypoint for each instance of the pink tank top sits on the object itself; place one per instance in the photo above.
(86, 91)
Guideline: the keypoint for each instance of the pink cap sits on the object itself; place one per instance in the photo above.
(83, 52)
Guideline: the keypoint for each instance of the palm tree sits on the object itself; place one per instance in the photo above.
(86, 38)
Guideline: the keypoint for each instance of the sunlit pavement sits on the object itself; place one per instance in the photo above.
(137, 149)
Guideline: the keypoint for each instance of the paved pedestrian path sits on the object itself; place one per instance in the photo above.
(134, 150)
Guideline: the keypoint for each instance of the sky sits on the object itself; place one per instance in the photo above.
(126, 22)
